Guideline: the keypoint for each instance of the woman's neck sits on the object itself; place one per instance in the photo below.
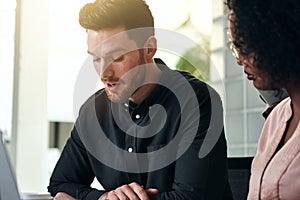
(294, 93)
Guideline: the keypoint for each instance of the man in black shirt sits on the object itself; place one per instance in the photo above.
(151, 133)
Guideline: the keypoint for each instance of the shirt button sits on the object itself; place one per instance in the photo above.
(130, 149)
(137, 116)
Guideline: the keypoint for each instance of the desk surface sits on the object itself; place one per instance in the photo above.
(32, 196)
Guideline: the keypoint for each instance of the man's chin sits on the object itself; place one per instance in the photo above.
(116, 98)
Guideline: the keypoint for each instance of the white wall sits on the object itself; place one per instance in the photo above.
(31, 102)
(7, 30)
(67, 52)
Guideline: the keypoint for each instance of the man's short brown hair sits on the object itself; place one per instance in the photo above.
(130, 14)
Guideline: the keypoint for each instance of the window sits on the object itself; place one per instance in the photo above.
(242, 106)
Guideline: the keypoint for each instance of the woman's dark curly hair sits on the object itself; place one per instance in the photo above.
(269, 30)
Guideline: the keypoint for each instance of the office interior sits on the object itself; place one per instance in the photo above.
(43, 49)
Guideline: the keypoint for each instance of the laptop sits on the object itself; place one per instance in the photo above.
(8, 184)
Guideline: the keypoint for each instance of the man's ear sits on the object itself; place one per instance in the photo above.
(150, 48)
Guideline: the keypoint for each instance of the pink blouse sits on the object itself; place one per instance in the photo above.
(276, 176)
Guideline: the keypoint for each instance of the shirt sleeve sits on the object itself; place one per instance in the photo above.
(67, 175)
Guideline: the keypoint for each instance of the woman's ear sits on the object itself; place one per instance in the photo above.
(150, 48)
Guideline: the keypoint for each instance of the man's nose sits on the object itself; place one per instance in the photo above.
(103, 68)
(107, 72)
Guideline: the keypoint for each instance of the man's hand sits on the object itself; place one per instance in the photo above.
(63, 196)
(132, 191)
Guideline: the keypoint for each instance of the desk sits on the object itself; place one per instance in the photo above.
(32, 196)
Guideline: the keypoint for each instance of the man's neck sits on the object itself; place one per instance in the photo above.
(152, 77)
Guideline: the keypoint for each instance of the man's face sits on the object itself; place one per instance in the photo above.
(115, 56)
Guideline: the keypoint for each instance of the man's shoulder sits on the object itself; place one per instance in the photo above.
(192, 79)
(174, 75)
(199, 86)
(99, 97)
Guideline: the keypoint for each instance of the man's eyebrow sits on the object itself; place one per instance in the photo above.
(110, 52)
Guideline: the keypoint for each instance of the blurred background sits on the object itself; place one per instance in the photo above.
(43, 48)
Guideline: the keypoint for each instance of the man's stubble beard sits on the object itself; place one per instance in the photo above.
(132, 85)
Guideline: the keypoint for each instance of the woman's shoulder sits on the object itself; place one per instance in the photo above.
(282, 111)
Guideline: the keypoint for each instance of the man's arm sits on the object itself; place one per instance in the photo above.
(73, 173)
(63, 196)
(130, 191)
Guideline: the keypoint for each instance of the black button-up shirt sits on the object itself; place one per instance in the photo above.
(156, 143)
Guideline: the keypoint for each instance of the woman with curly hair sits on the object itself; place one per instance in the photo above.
(265, 39)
